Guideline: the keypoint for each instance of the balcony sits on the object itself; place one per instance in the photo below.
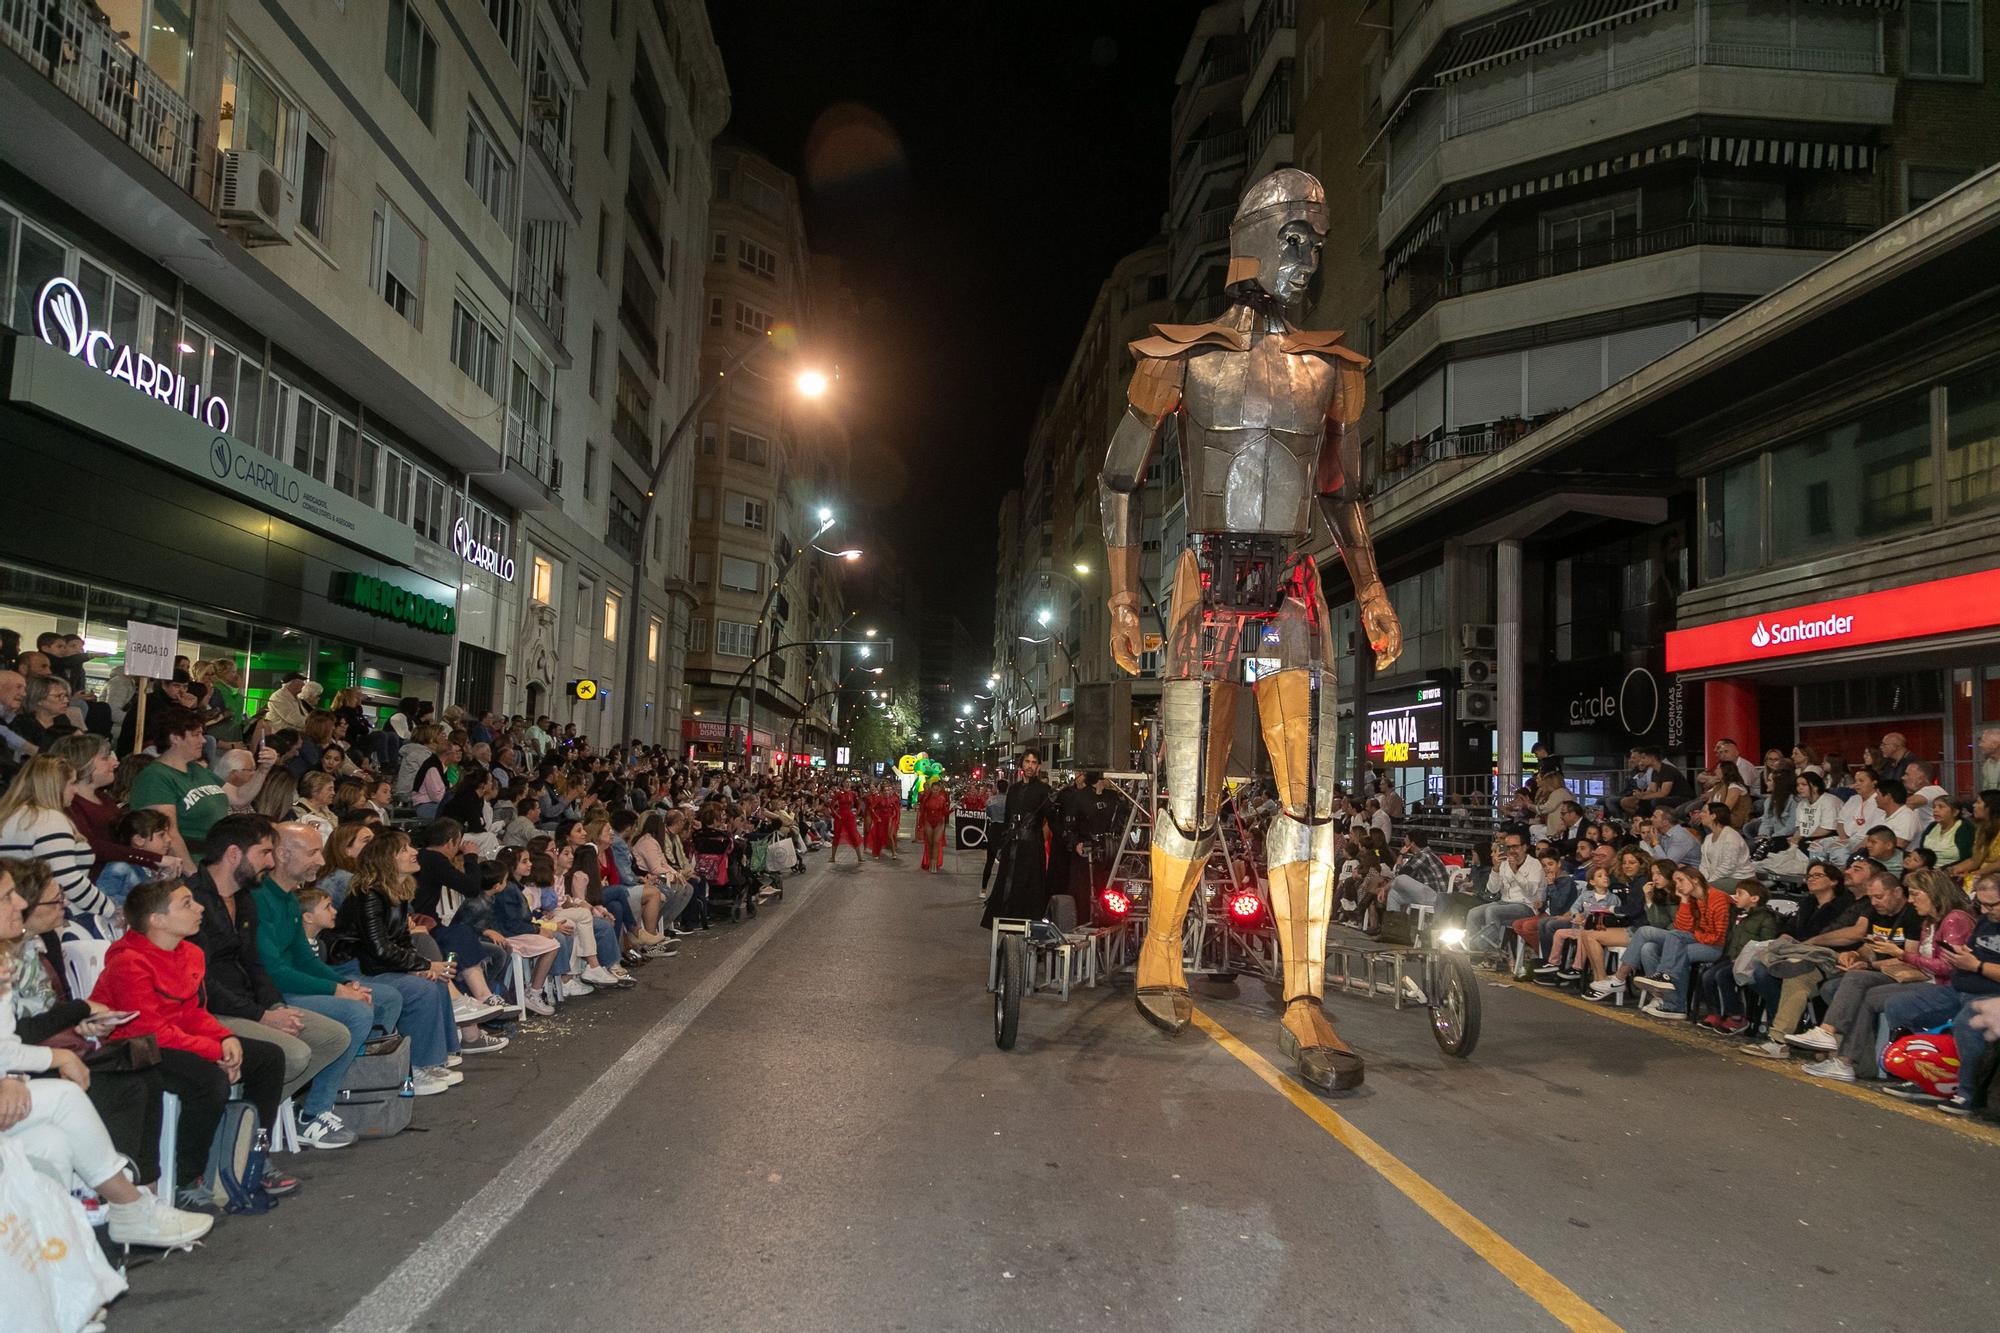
(1717, 81)
(1228, 61)
(569, 18)
(1657, 240)
(530, 450)
(1272, 17)
(69, 43)
(1271, 119)
(1402, 463)
(1201, 160)
(1203, 232)
(539, 280)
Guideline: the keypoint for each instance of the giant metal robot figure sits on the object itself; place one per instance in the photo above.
(1264, 413)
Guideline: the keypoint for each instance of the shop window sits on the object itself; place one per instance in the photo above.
(1862, 479)
(1732, 529)
(1972, 443)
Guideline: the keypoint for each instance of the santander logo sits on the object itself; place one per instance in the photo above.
(1801, 631)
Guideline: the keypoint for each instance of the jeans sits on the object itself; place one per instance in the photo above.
(1678, 955)
(621, 902)
(1643, 950)
(1486, 925)
(358, 1017)
(425, 1017)
(1918, 1007)
(608, 952)
(1405, 890)
(1724, 996)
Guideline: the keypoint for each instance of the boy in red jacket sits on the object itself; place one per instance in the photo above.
(155, 972)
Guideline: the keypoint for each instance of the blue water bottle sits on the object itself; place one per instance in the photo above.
(409, 1086)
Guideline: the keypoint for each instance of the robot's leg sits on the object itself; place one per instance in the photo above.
(1296, 710)
(1196, 720)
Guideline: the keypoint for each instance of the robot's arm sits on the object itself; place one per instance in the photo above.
(1154, 394)
(1339, 486)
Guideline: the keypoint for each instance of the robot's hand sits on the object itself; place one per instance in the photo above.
(1125, 638)
(1385, 632)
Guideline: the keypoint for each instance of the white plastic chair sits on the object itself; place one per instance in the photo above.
(83, 960)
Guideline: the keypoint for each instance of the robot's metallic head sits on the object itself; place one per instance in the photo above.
(1276, 236)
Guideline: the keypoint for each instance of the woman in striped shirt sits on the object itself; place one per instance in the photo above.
(35, 823)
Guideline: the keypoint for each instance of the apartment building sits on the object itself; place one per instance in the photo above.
(770, 470)
(287, 290)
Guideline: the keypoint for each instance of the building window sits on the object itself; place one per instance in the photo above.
(742, 575)
(735, 639)
(427, 505)
(746, 512)
(316, 180)
(747, 448)
(488, 170)
(583, 601)
(1923, 184)
(718, 249)
(603, 238)
(541, 582)
(475, 344)
(357, 460)
(715, 312)
(701, 569)
(1861, 480)
(398, 479)
(398, 262)
(505, 15)
(1972, 443)
(704, 503)
(708, 435)
(697, 634)
(589, 470)
(749, 319)
(652, 639)
(763, 197)
(1944, 39)
(411, 58)
(754, 258)
(673, 263)
(596, 362)
(257, 115)
(610, 123)
(611, 604)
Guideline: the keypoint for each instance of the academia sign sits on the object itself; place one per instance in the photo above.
(1916, 611)
(63, 320)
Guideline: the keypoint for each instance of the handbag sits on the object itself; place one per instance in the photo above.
(123, 1055)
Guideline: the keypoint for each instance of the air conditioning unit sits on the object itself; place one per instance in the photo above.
(252, 194)
(1478, 638)
(555, 475)
(544, 96)
(1478, 705)
(1477, 670)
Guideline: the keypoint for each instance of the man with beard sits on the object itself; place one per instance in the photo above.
(1022, 891)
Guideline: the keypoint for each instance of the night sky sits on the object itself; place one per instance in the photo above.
(977, 168)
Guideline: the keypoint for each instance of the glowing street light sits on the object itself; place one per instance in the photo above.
(812, 383)
(1044, 616)
(868, 634)
(965, 709)
(1080, 567)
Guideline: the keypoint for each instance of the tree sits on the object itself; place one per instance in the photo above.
(879, 732)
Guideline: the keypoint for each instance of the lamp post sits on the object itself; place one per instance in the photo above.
(809, 384)
(736, 686)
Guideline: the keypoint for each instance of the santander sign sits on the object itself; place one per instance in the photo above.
(1915, 611)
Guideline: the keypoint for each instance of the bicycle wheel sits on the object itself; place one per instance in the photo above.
(1454, 1004)
(1007, 999)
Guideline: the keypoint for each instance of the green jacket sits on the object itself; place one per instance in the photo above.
(1759, 923)
(281, 942)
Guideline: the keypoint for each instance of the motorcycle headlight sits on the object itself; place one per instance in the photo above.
(1452, 937)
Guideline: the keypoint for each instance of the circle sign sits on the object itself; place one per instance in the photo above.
(907, 764)
(586, 689)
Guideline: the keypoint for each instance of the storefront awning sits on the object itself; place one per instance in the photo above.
(1526, 32)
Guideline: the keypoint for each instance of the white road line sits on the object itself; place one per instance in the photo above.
(402, 1299)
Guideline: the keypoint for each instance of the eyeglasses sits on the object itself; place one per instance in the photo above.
(1985, 906)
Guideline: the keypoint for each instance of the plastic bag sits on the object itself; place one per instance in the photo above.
(53, 1273)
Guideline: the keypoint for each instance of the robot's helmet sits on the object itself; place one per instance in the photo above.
(1275, 237)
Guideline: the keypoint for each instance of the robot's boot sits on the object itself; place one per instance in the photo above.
(1305, 1035)
(1162, 992)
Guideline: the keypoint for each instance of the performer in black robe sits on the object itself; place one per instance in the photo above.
(1022, 890)
(1092, 834)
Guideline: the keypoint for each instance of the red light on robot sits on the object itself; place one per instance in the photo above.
(1245, 907)
(1115, 902)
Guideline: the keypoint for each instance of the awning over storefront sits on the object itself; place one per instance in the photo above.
(1525, 32)
(1968, 602)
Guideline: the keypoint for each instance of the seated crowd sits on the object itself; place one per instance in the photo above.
(1742, 900)
(258, 902)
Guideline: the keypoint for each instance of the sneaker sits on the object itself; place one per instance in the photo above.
(482, 1043)
(664, 949)
(454, 1060)
(1659, 983)
(154, 1222)
(452, 1078)
(1546, 970)
(1769, 1050)
(537, 1005)
(325, 1131)
(1712, 1022)
(1832, 1067)
(1814, 1039)
(1569, 976)
(430, 1082)
(1956, 1107)
(1605, 989)
(600, 978)
(1913, 1092)
(1734, 1025)
(468, 1011)
(575, 989)
(1664, 1014)
(276, 1183)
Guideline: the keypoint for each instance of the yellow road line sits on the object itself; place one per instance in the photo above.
(1540, 1285)
(1685, 1034)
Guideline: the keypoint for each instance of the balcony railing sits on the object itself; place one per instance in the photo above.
(1218, 66)
(530, 446)
(69, 43)
(554, 148)
(1273, 113)
(569, 17)
(1200, 159)
(540, 283)
(1402, 462)
(1558, 260)
(1273, 17)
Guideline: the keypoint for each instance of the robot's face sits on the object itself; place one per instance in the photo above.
(1297, 260)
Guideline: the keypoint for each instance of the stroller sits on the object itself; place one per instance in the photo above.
(722, 876)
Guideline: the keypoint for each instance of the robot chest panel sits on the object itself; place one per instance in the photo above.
(1261, 389)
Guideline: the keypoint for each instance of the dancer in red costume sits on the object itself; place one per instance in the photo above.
(844, 827)
(933, 812)
(885, 813)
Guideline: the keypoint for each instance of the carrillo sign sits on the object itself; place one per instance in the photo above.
(63, 320)
(479, 554)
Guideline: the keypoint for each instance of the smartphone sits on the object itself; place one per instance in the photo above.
(116, 1019)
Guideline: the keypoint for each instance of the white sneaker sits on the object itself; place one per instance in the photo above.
(151, 1221)
(454, 1060)
(1768, 1050)
(598, 976)
(574, 989)
(468, 1011)
(1832, 1067)
(452, 1078)
(430, 1082)
(1606, 988)
(537, 1005)
(1814, 1039)
(325, 1131)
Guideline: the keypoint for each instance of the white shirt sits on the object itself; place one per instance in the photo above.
(1753, 776)
(1821, 814)
(1724, 855)
(1903, 822)
(1523, 885)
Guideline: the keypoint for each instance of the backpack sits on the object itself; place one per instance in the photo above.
(713, 867)
(234, 1178)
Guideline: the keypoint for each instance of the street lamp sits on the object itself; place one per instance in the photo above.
(812, 383)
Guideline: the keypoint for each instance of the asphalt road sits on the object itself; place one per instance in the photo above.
(803, 1123)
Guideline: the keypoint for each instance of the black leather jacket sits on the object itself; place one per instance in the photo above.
(373, 930)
